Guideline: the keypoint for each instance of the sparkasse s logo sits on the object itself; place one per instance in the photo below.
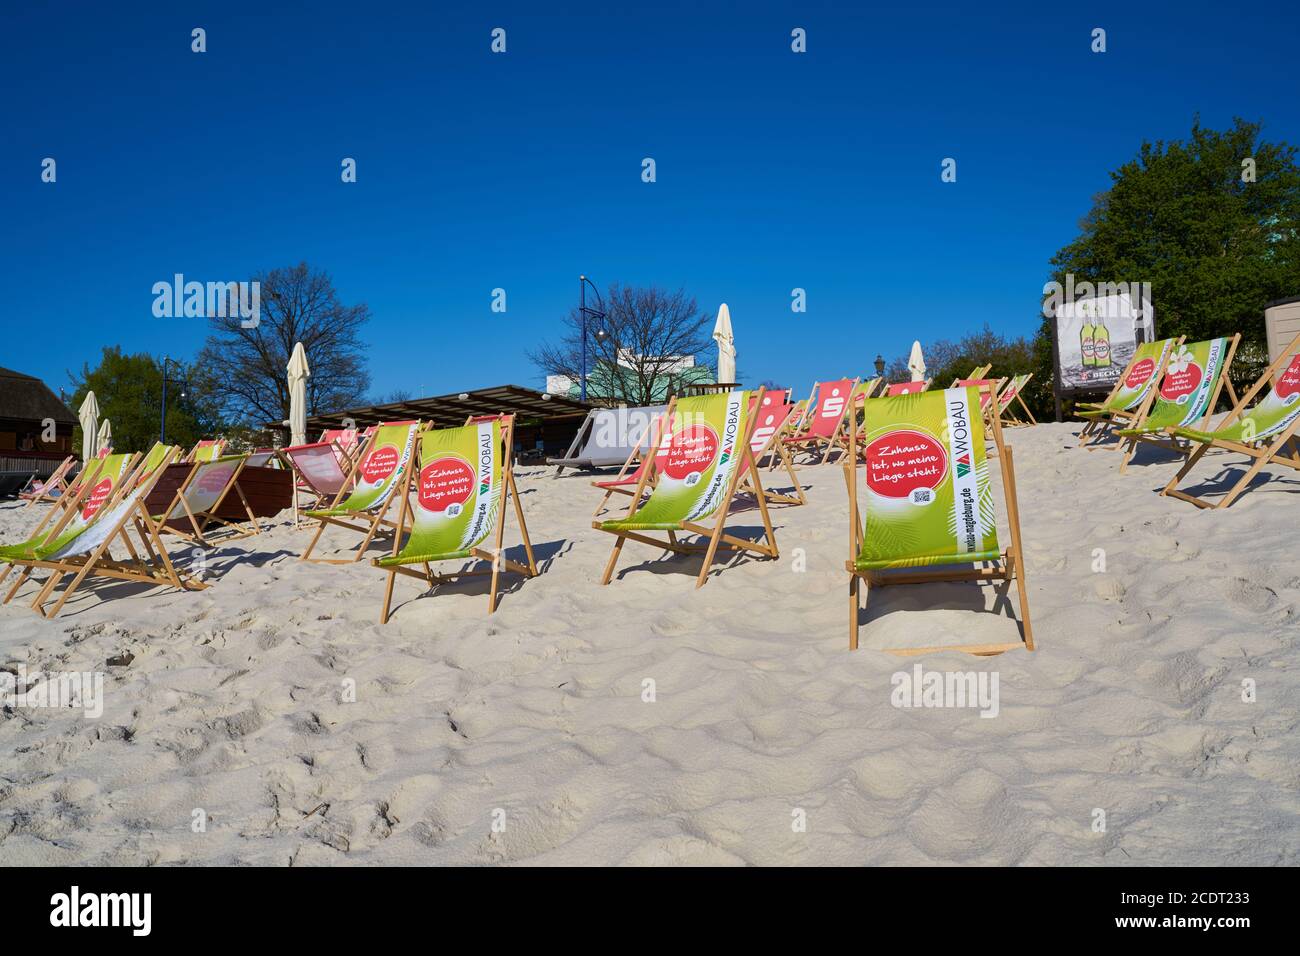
(134, 910)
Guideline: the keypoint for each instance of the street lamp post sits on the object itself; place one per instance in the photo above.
(600, 333)
(162, 424)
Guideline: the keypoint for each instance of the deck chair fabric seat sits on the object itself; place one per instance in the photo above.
(927, 501)
(207, 450)
(195, 511)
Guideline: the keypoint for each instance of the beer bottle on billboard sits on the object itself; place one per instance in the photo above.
(1101, 343)
(1087, 344)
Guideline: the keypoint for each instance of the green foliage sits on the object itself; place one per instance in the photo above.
(1214, 248)
(128, 389)
(947, 360)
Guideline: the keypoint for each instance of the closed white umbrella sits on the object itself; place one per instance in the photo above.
(916, 363)
(726, 346)
(298, 375)
(89, 415)
(105, 439)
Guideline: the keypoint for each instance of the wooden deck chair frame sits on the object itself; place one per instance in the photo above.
(1095, 430)
(496, 557)
(1010, 567)
(202, 521)
(157, 570)
(1269, 451)
(380, 518)
(1167, 440)
(832, 441)
(716, 535)
(58, 477)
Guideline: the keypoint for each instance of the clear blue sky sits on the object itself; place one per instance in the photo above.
(475, 170)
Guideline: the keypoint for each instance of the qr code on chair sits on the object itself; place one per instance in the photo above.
(922, 496)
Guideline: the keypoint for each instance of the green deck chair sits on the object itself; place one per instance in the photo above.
(379, 470)
(708, 459)
(928, 501)
(79, 544)
(1262, 433)
(1196, 374)
(464, 477)
(1131, 397)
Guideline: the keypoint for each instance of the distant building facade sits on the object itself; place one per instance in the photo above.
(32, 418)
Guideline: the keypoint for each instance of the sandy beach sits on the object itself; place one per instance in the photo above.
(524, 737)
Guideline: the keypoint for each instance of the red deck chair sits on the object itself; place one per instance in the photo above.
(826, 418)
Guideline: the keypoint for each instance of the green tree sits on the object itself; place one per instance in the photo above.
(1186, 217)
(128, 389)
(947, 360)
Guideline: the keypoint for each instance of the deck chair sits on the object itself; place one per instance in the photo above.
(988, 389)
(1013, 392)
(97, 485)
(823, 424)
(1187, 397)
(462, 481)
(50, 488)
(318, 471)
(80, 545)
(378, 471)
(206, 450)
(1129, 400)
(928, 501)
(192, 510)
(708, 451)
(907, 388)
(771, 413)
(85, 478)
(978, 373)
(1262, 433)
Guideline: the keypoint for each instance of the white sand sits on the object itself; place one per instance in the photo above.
(1133, 703)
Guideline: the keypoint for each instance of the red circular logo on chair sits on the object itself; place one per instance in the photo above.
(1288, 383)
(445, 482)
(691, 451)
(1139, 374)
(95, 500)
(379, 465)
(1181, 382)
(903, 462)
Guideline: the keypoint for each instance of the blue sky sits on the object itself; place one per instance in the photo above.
(477, 171)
